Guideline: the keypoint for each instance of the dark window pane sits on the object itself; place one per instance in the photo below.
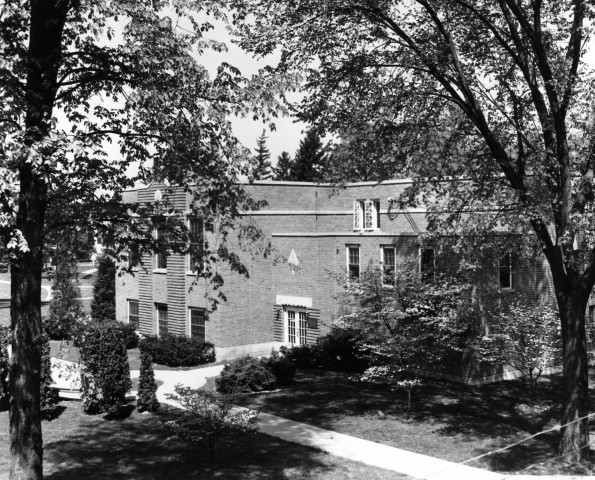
(197, 245)
(197, 324)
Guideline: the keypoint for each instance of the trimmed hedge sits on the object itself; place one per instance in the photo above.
(177, 351)
(245, 374)
(106, 373)
(129, 335)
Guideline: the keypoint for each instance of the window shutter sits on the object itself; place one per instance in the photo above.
(277, 323)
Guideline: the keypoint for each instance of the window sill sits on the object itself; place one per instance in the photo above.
(189, 273)
(160, 270)
(507, 290)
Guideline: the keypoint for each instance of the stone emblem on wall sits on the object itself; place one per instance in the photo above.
(293, 262)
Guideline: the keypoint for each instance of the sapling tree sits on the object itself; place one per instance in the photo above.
(407, 324)
(526, 338)
(208, 418)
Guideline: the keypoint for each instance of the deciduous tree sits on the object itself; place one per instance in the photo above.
(494, 93)
(111, 72)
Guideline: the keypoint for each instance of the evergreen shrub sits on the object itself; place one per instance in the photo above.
(106, 373)
(103, 306)
(65, 306)
(147, 388)
(178, 351)
(245, 374)
(280, 367)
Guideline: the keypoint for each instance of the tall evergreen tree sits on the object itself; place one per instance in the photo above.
(65, 306)
(262, 167)
(104, 294)
(309, 159)
(284, 166)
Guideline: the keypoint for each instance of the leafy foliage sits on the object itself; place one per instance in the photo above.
(177, 351)
(526, 338)
(245, 374)
(281, 367)
(103, 306)
(208, 418)
(147, 388)
(49, 396)
(340, 350)
(5, 338)
(262, 164)
(65, 306)
(105, 369)
(408, 326)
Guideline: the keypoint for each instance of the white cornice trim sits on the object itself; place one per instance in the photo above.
(325, 212)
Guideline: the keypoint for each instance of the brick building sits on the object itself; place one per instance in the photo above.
(321, 232)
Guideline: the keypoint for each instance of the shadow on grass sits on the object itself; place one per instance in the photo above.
(450, 421)
(137, 448)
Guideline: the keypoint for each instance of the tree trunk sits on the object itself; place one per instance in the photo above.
(25, 370)
(44, 59)
(574, 440)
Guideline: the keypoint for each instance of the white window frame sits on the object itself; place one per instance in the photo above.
(129, 301)
(286, 334)
(189, 329)
(501, 255)
(360, 210)
(157, 309)
(189, 257)
(394, 249)
(359, 257)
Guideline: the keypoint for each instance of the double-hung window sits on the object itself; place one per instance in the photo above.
(162, 324)
(389, 261)
(505, 270)
(161, 256)
(353, 261)
(197, 321)
(296, 326)
(196, 256)
(133, 313)
(366, 215)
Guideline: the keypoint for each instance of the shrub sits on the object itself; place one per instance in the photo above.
(103, 306)
(280, 367)
(208, 417)
(129, 334)
(147, 388)
(302, 356)
(338, 350)
(178, 351)
(245, 374)
(4, 364)
(65, 306)
(106, 374)
(49, 396)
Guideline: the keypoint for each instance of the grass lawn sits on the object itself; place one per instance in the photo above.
(77, 446)
(450, 421)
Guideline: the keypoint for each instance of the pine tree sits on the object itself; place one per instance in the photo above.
(309, 159)
(262, 168)
(65, 306)
(104, 295)
(147, 388)
(284, 166)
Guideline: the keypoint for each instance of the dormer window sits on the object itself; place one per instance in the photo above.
(366, 215)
